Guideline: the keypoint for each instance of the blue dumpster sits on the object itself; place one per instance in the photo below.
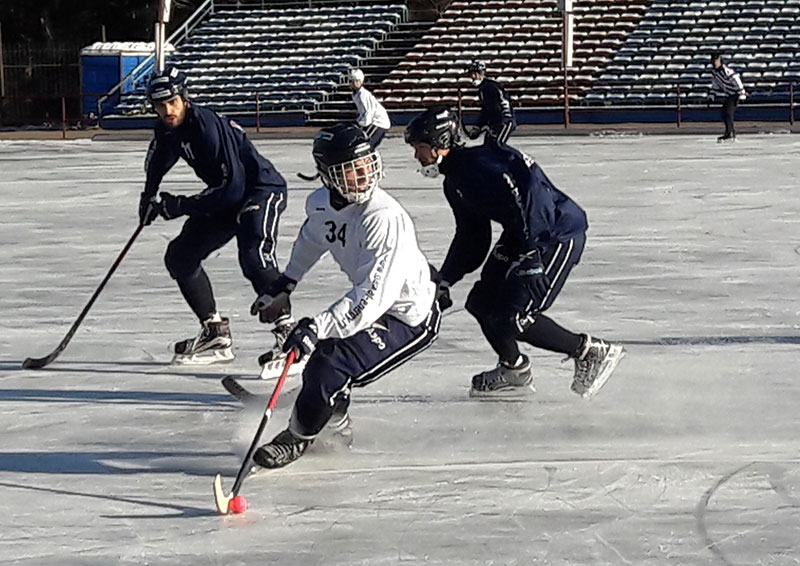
(104, 65)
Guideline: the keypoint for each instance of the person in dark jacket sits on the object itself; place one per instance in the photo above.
(244, 198)
(496, 116)
(544, 232)
(727, 84)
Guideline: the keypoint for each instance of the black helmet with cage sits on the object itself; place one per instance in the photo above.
(346, 161)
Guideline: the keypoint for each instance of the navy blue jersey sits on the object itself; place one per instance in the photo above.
(218, 150)
(495, 103)
(494, 182)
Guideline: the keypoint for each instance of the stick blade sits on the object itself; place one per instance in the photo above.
(240, 393)
(222, 501)
(36, 363)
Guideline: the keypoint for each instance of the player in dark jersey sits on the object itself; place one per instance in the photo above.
(496, 117)
(243, 198)
(543, 236)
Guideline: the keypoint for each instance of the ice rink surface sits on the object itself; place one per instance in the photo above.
(688, 456)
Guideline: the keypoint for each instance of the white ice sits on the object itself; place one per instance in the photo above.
(689, 455)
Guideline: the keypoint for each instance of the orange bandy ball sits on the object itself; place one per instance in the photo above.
(238, 504)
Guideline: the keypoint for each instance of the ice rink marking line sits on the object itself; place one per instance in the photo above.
(523, 464)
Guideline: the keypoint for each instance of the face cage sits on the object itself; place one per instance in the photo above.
(355, 180)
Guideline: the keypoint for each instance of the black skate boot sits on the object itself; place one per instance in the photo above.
(594, 365)
(281, 450)
(213, 344)
(503, 381)
(273, 360)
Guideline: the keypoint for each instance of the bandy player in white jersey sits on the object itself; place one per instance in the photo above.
(387, 317)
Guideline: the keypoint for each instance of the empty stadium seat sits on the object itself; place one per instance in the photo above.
(281, 58)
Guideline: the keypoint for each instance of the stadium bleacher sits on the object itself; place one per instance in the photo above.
(672, 44)
(521, 44)
(626, 53)
(281, 59)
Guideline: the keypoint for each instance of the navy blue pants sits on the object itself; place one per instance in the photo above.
(339, 364)
(507, 313)
(500, 132)
(728, 111)
(255, 227)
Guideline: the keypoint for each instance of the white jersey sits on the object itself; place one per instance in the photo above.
(375, 245)
(370, 111)
(726, 81)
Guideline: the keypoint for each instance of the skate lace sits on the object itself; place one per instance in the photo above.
(584, 369)
(281, 334)
(202, 337)
(211, 331)
(493, 377)
(281, 449)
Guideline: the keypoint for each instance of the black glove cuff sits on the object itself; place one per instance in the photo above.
(282, 284)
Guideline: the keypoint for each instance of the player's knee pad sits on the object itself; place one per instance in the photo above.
(180, 264)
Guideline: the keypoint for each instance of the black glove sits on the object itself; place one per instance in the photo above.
(274, 304)
(443, 295)
(149, 208)
(474, 133)
(442, 289)
(303, 338)
(172, 206)
(528, 271)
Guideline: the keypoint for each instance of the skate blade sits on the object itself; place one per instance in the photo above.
(205, 358)
(273, 369)
(511, 392)
(614, 357)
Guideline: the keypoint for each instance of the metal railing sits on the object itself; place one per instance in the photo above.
(680, 101)
(143, 68)
(569, 100)
(58, 112)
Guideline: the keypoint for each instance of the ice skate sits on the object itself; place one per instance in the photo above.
(212, 345)
(281, 450)
(504, 381)
(595, 365)
(273, 360)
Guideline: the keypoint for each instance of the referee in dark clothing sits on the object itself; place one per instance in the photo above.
(727, 83)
